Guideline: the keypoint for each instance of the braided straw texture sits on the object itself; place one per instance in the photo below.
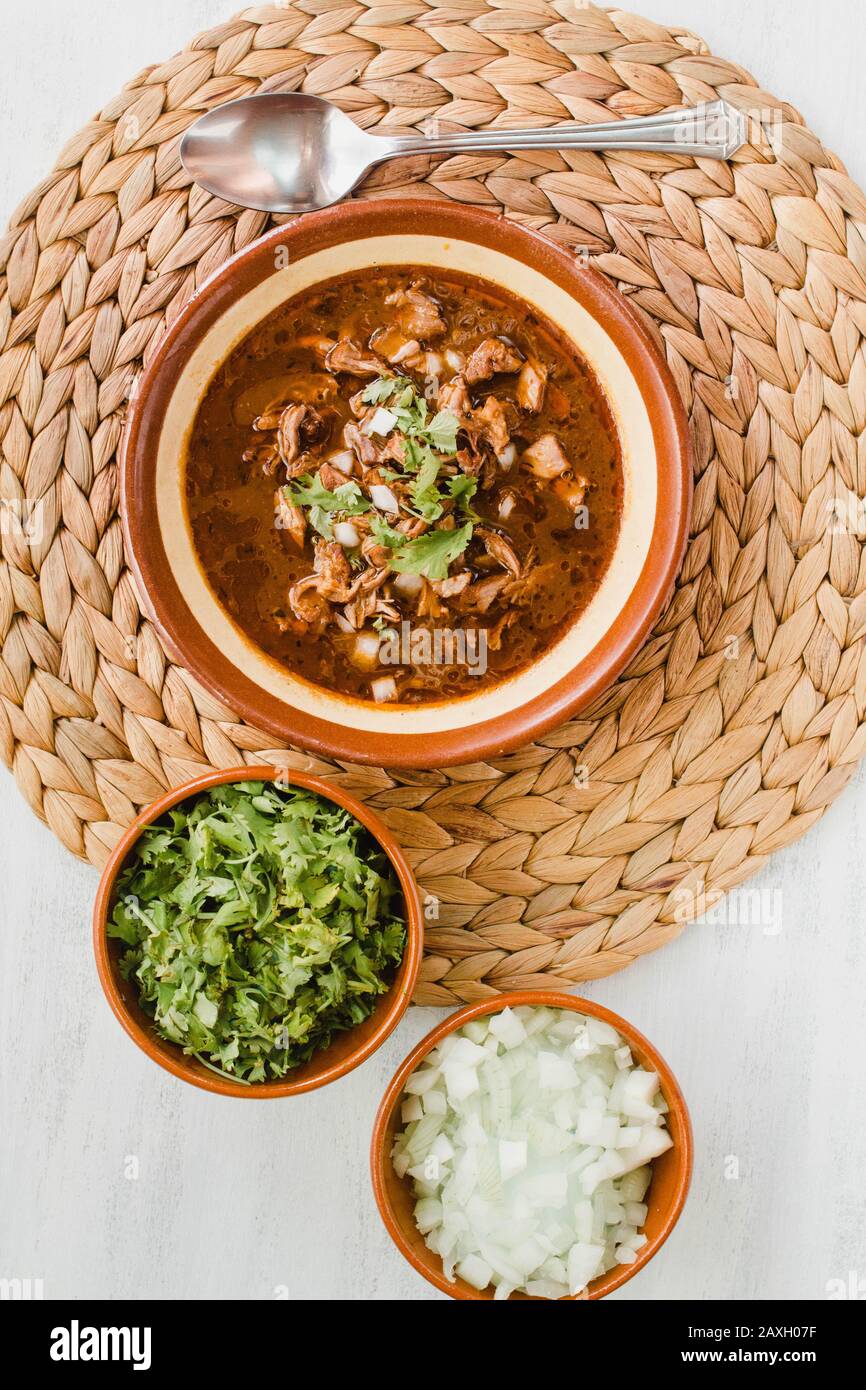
(741, 719)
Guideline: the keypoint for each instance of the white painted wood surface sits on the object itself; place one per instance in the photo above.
(764, 1028)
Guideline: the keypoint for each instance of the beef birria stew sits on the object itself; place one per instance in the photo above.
(403, 485)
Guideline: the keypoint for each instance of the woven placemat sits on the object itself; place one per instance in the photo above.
(741, 719)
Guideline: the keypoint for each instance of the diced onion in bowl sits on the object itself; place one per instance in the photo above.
(382, 421)
(528, 1136)
(365, 651)
(408, 585)
(346, 535)
(343, 459)
(383, 498)
(405, 351)
(384, 688)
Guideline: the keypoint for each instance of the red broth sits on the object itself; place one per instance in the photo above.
(473, 533)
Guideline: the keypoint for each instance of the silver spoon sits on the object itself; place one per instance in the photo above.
(286, 152)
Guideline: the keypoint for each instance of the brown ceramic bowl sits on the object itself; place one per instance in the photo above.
(671, 1173)
(349, 1049)
(592, 319)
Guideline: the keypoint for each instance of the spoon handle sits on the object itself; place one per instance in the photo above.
(712, 131)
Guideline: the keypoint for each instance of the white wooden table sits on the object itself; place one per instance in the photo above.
(117, 1181)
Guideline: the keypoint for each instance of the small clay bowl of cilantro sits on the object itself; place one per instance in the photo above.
(258, 933)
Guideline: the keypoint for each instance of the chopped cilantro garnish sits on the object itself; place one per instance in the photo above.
(432, 553)
(384, 534)
(442, 431)
(384, 387)
(425, 495)
(308, 491)
(463, 488)
(259, 921)
(425, 444)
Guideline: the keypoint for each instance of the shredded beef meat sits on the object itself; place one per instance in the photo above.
(490, 358)
(530, 385)
(547, 458)
(290, 519)
(346, 356)
(454, 396)
(418, 315)
(492, 421)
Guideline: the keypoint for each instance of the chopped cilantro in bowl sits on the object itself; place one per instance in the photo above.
(258, 922)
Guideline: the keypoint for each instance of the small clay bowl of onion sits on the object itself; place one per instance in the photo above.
(548, 1133)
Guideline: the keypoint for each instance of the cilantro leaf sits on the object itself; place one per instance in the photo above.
(431, 554)
(463, 488)
(425, 495)
(383, 388)
(308, 491)
(442, 431)
(384, 534)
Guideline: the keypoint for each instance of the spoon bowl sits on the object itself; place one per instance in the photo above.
(279, 152)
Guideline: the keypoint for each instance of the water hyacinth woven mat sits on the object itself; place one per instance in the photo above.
(741, 719)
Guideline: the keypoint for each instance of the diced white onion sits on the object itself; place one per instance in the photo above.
(455, 359)
(460, 1082)
(411, 1109)
(475, 1271)
(602, 1033)
(555, 1073)
(409, 585)
(405, 351)
(584, 1262)
(465, 1053)
(507, 1028)
(477, 1028)
(365, 652)
(527, 1136)
(383, 498)
(422, 1080)
(382, 421)
(512, 1159)
(428, 1214)
(507, 505)
(345, 534)
(343, 459)
(384, 689)
(507, 456)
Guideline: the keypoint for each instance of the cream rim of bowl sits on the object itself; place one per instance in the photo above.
(592, 343)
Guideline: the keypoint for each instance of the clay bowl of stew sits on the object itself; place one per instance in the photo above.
(671, 1173)
(406, 483)
(348, 1049)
